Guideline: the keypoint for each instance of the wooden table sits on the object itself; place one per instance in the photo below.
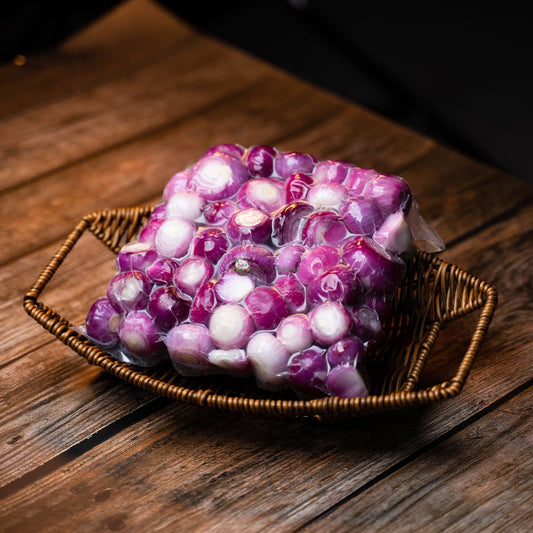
(104, 121)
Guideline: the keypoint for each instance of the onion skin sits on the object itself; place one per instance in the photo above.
(323, 227)
(249, 225)
(268, 359)
(288, 258)
(330, 171)
(377, 271)
(327, 195)
(292, 292)
(235, 150)
(260, 161)
(329, 323)
(259, 260)
(217, 176)
(161, 271)
(204, 303)
(266, 194)
(362, 216)
(346, 351)
(210, 243)
(168, 307)
(380, 304)
(316, 261)
(178, 182)
(189, 345)
(192, 274)
(337, 284)
(298, 186)
(135, 256)
(231, 288)
(230, 326)
(346, 381)
(129, 291)
(390, 192)
(366, 324)
(308, 371)
(287, 223)
(139, 334)
(218, 213)
(102, 323)
(294, 333)
(288, 163)
(173, 237)
(234, 362)
(159, 212)
(148, 233)
(394, 235)
(358, 178)
(266, 306)
(185, 204)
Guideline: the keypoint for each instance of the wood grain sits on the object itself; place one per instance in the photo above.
(136, 173)
(120, 110)
(478, 480)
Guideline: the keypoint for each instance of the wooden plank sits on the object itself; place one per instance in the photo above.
(200, 467)
(151, 160)
(480, 479)
(122, 109)
(14, 322)
(446, 181)
(362, 141)
(128, 175)
(57, 406)
(135, 33)
(43, 384)
(136, 172)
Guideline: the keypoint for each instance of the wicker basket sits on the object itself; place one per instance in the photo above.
(433, 293)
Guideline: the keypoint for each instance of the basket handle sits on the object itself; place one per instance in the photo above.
(111, 230)
(48, 272)
(451, 388)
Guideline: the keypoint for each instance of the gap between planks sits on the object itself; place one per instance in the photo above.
(495, 406)
(81, 447)
(153, 406)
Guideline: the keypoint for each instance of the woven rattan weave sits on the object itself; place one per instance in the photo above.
(432, 294)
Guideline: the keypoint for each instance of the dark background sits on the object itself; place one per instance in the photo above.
(460, 72)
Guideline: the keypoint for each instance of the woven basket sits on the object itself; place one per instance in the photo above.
(433, 293)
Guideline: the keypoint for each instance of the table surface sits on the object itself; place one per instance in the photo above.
(103, 121)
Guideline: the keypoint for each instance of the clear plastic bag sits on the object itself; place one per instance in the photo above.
(267, 263)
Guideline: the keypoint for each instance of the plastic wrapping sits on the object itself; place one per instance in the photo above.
(265, 263)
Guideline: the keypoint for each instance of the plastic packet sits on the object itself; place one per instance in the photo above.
(264, 263)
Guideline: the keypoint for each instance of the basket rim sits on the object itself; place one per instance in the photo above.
(329, 407)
